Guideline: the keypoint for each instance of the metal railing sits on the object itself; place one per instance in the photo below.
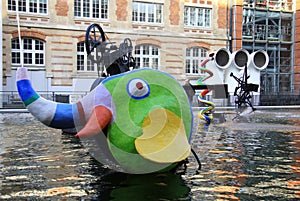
(11, 99)
(273, 100)
(267, 32)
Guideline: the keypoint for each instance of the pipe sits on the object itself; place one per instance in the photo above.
(259, 59)
(241, 58)
(223, 58)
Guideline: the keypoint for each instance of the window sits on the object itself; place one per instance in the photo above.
(147, 12)
(194, 56)
(28, 6)
(33, 52)
(197, 17)
(85, 63)
(91, 8)
(147, 56)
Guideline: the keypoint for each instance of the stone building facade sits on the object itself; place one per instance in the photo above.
(180, 33)
(61, 31)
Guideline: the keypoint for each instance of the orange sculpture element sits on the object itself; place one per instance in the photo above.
(99, 119)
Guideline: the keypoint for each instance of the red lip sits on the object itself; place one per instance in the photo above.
(99, 119)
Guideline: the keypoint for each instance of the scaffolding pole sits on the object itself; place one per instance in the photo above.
(1, 63)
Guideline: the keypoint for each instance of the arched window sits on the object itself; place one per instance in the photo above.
(33, 52)
(85, 63)
(147, 56)
(194, 56)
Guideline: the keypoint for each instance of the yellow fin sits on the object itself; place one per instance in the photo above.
(164, 139)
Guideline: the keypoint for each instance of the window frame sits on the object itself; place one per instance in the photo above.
(200, 21)
(87, 63)
(141, 58)
(158, 9)
(195, 59)
(33, 52)
(26, 9)
(91, 10)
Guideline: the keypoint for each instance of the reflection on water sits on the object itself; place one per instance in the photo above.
(251, 158)
(254, 158)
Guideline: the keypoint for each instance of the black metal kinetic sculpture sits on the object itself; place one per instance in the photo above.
(243, 91)
(115, 59)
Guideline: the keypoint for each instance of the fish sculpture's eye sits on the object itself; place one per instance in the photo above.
(138, 88)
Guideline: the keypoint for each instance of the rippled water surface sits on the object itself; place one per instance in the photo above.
(251, 158)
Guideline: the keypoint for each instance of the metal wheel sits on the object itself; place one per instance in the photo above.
(94, 37)
(126, 51)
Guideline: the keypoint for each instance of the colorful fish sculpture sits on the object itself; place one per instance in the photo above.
(139, 121)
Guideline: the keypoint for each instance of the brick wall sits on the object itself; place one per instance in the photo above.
(237, 25)
(174, 12)
(62, 7)
(121, 10)
(223, 11)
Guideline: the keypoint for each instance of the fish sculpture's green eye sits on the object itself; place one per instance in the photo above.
(138, 88)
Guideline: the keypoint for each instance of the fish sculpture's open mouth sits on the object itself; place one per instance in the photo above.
(99, 119)
(164, 138)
